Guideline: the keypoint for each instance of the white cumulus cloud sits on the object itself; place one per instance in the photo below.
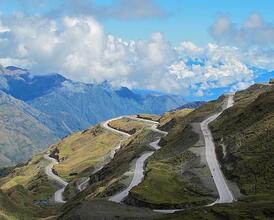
(79, 48)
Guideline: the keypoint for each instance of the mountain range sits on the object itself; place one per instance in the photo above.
(102, 162)
(56, 106)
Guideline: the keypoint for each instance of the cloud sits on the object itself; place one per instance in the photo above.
(211, 67)
(79, 48)
(254, 31)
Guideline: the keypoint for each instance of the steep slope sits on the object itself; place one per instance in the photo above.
(80, 105)
(21, 131)
(83, 152)
(243, 210)
(192, 105)
(177, 174)
(20, 84)
(75, 106)
(245, 135)
(79, 154)
(26, 192)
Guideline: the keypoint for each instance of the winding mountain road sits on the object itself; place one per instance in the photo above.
(58, 195)
(225, 195)
(139, 166)
(104, 124)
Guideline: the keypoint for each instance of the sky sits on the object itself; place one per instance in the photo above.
(190, 47)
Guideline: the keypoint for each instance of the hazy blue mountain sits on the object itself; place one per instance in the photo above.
(73, 106)
(22, 85)
(22, 131)
(192, 105)
(78, 105)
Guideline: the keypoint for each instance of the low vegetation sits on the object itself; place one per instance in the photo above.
(83, 152)
(128, 125)
(26, 192)
(117, 174)
(170, 119)
(170, 190)
(245, 137)
(242, 210)
(32, 177)
(149, 117)
(166, 183)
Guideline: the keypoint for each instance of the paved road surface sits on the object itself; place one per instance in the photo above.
(139, 166)
(58, 195)
(219, 179)
(225, 195)
(224, 192)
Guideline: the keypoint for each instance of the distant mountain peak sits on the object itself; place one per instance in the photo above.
(106, 84)
(127, 93)
(13, 68)
(13, 71)
(74, 87)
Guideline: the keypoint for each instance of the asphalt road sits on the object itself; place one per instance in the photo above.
(58, 195)
(139, 166)
(225, 195)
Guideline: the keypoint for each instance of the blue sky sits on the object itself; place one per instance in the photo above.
(195, 48)
(185, 20)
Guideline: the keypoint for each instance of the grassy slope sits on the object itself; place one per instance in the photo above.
(244, 210)
(113, 174)
(170, 119)
(128, 125)
(164, 185)
(99, 209)
(247, 131)
(82, 152)
(113, 177)
(149, 117)
(25, 190)
(31, 177)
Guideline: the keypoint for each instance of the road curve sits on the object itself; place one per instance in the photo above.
(139, 166)
(225, 195)
(105, 125)
(58, 195)
(137, 178)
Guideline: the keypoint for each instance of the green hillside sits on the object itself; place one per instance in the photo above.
(26, 192)
(245, 137)
(170, 180)
(176, 176)
(82, 152)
